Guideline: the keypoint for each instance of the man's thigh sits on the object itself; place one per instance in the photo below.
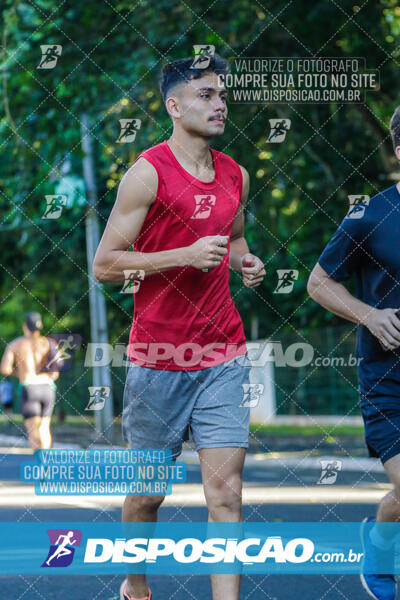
(30, 404)
(222, 467)
(157, 408)
(392, 468)
(220, 418)
(47, 398)
(382, 428)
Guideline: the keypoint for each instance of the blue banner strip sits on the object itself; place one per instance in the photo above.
(188, 548)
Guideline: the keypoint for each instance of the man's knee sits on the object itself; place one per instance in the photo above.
(395, 481)
(224, 496)
(395, 494)
(144, 503)
(32, 427)
(44, 424)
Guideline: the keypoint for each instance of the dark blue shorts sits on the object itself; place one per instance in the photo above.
(382, 427)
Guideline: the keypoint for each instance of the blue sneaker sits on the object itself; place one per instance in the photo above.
(379, 587)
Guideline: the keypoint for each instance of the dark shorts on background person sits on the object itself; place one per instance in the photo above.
(382, 427)
(159, 405)
(37, 400)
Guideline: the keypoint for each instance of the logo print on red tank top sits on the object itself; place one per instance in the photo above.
(204, 203)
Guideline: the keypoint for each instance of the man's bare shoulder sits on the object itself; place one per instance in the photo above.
(139, 184)
(41, 342)
(15, 343)
(141, 172)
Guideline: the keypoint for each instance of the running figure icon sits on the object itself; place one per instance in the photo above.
(62, 549)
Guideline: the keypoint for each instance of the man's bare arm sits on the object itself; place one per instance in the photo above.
(333, 296)
(7, 362)
(239, 245)
(240, 258)
(136, 193)
(54, 375)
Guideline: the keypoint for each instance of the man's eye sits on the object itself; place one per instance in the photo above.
(205, 96)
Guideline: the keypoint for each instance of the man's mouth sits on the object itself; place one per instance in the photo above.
(218, 119)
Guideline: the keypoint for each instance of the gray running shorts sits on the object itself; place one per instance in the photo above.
(160, 406)
(37, 400)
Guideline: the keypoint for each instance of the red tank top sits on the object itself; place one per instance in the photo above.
(185, 319)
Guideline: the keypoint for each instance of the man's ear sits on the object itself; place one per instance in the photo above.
(174, 102)
(172, 105)
(397, 152)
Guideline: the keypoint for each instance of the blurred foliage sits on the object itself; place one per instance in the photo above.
(112, 55)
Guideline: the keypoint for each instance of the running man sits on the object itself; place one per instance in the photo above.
(26, 357)
(365, 246)
(186, 333)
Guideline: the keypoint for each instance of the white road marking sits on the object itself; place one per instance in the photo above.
(191, 494)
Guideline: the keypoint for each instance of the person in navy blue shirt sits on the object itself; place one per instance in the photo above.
(366, 246)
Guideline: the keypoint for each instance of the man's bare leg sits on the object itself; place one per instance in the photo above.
(32, 426)
(389, 506)
(44, 433)
(221, 470)
(142, 509)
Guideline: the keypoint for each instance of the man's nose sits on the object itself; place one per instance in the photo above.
(219, 105)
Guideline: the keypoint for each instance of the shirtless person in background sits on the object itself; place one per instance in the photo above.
(25, 357)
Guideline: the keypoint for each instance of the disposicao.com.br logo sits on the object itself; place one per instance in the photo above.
(62, 547)
(164, 547)
(193, 550)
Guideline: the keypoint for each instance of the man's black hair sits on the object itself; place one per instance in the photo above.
(179, 71)
(33, 321)
(395, 128)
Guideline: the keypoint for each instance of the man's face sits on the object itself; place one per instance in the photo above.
(200, 106)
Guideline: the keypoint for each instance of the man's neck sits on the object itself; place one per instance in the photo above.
(192, 151)
(33, 335)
